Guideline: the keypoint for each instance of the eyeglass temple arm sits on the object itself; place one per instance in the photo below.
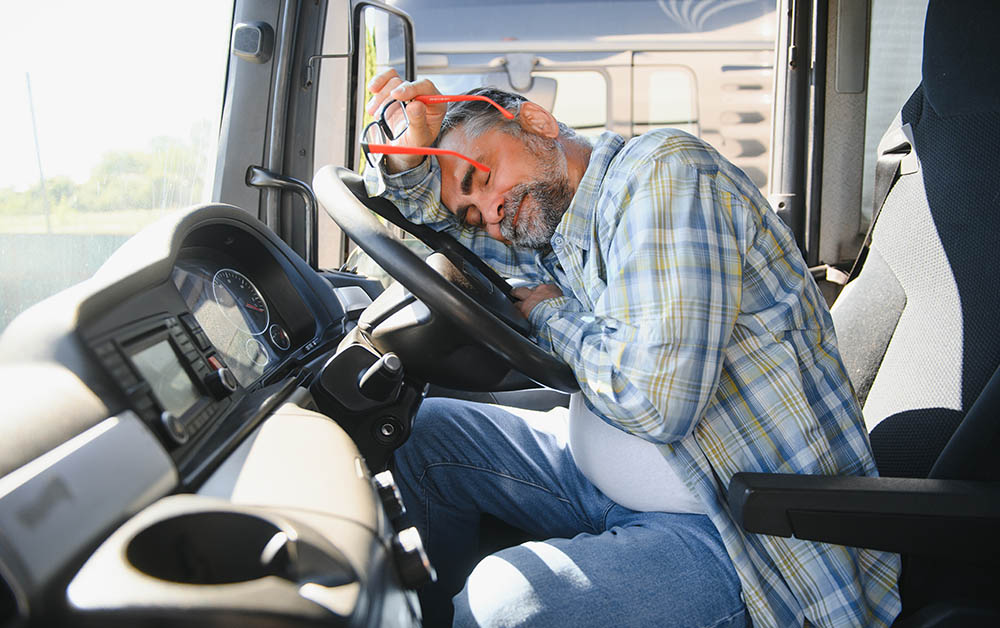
(388, 149)
(433, 99)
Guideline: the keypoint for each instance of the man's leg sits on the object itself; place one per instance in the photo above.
(646, 569)
(465, 459)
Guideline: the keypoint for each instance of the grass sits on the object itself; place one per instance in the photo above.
(122, 222)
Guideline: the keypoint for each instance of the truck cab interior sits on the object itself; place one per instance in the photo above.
(200, 433)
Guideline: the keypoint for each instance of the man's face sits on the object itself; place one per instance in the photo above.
(523, 197)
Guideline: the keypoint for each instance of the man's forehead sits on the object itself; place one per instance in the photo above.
(455, 139)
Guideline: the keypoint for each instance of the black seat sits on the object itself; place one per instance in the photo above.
(918, 331)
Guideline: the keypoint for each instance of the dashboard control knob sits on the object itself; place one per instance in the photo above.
(414, 567)
(382, 380)
(174, 427)
(388, 492)
(221, 382)
(388, 431)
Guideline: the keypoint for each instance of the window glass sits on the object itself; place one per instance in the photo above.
(665, 97)
(723, 97)
(475, 23)
(893, 73)
(110, 119)
(581, 100)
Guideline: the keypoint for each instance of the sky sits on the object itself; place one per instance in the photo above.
(105, 75)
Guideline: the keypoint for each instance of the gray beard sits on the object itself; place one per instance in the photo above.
(538, 206)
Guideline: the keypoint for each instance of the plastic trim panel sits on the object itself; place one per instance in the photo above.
(65, 500)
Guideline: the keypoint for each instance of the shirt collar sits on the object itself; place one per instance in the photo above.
(576, 223)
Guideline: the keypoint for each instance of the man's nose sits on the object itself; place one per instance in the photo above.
(492, 211)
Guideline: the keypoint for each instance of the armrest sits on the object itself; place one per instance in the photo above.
(949, 518)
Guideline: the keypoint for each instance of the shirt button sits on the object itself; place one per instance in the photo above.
(557, 240)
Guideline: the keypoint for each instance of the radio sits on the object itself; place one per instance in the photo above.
(170, 373)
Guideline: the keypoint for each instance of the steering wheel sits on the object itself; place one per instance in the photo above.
(343, 195)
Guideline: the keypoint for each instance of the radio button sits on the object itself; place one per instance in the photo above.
(175, 429)
(221, 382)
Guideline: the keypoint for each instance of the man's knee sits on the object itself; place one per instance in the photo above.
(497, 593)
(532, 584)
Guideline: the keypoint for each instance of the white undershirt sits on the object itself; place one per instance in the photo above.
(629, 470)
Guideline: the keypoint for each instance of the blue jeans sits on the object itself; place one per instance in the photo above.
(601, 565)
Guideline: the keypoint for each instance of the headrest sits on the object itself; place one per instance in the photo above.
(960, 70)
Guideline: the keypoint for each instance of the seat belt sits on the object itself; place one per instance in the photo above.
(895, 146)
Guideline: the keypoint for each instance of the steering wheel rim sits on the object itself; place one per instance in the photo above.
(342, 194)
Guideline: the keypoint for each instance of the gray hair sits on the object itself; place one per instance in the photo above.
(477, 117)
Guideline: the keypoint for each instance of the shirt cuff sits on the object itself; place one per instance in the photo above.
(545, 311)
(408, 178)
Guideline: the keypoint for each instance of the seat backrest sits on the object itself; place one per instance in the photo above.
(918, 328)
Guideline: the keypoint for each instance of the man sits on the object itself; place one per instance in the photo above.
(702, 348)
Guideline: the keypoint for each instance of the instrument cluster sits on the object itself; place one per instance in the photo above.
(235, 315)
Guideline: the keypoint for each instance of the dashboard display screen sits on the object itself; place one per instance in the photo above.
(170, 382)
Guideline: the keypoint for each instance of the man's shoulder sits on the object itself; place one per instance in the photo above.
(669, 146)
(678, 154)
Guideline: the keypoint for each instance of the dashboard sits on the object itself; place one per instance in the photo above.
(194, 411)
(233, 315)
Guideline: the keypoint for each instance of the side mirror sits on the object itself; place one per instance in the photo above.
(383, 38)
(386, 40)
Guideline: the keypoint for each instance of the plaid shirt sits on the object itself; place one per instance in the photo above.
(691, 320)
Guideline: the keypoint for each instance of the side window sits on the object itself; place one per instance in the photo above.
(664, 97)
(893, 73)
(109, 119)
(724, 98)
(581, 100)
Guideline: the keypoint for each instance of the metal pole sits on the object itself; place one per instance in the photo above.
(274, 160)
(38, 156)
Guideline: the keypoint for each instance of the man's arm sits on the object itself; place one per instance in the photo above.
(649, 356)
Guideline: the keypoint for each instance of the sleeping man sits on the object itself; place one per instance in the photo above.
(702, 348)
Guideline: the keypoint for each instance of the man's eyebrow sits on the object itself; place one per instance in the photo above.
(467, 180)
(461, 212)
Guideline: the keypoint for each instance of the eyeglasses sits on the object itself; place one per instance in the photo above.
(392, 123)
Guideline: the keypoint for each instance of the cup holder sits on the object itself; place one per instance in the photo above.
(210, 548)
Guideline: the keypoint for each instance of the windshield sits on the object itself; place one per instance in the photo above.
(110, 119)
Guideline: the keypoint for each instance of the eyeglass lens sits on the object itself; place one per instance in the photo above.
(390, 125)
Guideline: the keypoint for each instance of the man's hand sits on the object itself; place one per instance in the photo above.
(528, 298)
(425, 120)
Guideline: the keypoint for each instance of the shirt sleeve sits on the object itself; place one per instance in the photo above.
(649, 356)
(417, 194)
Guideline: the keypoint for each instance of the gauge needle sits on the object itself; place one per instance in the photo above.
(253, 307)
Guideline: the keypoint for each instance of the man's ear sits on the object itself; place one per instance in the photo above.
(535, 119)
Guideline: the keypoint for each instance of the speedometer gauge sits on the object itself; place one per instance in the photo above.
(241, 301)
